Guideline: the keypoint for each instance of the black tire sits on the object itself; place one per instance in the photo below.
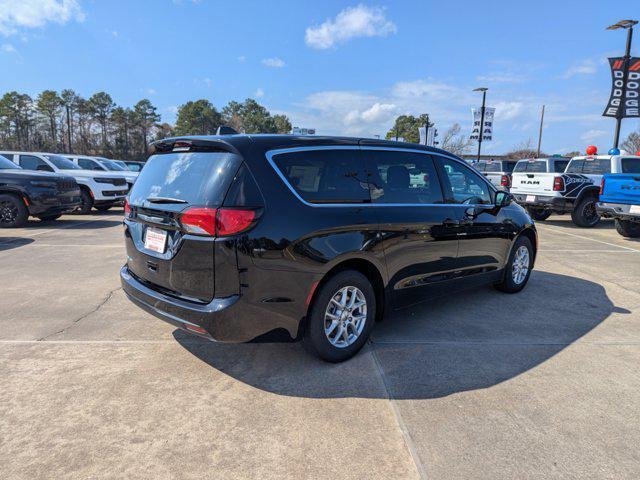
(585, 213)
(315, 339)
(13, 211)
(86, 202)
(50, 217)
(627, 228)
(103, 207)
(539, 214)
(508, 283)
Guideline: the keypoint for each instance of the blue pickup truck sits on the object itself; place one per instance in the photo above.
(620, 199)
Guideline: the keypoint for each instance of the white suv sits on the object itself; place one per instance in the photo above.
(100, 190)
(102, 164)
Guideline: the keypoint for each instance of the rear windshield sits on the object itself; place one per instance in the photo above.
(631, 165)
(6, 164)
(593, 167)
(537, 166)
(488, 166)
(199, 178)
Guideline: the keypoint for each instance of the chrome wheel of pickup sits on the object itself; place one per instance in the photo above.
(345, 316)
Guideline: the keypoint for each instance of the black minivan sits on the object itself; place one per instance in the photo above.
(232, 237)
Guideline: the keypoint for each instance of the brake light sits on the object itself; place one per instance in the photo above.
(230, 222)
(201, 221)
(602, 186)
(504, 181)
(558, 184)
(127, 208)
(217, 222)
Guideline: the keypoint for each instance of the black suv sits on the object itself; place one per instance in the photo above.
(231, 237)
(40, 194)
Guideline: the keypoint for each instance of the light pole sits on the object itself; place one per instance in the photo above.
(484, 99)
(540, 132)
(628, 25)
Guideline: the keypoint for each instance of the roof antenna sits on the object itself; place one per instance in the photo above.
(225, 130)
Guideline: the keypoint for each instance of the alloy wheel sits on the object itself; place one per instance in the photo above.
(8, 212)
(345, 316)
(520, 265)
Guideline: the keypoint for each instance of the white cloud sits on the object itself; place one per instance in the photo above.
(359, 21)
(508, 110)
(584, 67)
(273, 62)
(8, 48)
(590, 136)
(19, 14)
(242, 58)
(259, 93)
(207, 81)
(502, 77)
(151, 91)
(378, 112)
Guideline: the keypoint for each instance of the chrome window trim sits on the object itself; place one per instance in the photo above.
(272, 153)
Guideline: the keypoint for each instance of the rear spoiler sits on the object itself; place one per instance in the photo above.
(191, 144)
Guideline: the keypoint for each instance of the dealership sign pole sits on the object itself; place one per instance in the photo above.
(625, 76)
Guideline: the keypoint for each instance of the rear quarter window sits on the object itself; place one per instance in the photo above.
(199, 178)
(325, 176)
(630, 165)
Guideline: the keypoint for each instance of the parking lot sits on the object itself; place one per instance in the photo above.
(487, 385)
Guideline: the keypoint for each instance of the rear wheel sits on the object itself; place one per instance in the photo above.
(103, 207)
(86, 202)
(341, 317)
(518, 269)
(539, 214)
(585, 213)
(13, 212)
(50, 217)
(627, 228)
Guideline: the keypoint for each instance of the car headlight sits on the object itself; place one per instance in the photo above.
(43, 184)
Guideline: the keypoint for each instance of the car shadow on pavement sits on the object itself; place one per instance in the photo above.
(472, 340)
(7, 243)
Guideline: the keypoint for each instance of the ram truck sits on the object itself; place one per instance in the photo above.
(620, 199)
(575, 191)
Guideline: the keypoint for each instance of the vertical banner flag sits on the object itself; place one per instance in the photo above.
(423, 135)
(487, 128)
(623, 101)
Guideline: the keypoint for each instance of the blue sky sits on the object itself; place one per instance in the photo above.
(341, 67)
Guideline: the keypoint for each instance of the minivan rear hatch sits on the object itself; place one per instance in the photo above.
(160, 252)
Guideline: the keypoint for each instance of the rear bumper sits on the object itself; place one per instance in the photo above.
(221, 318)
(558, 204)
(617, 210)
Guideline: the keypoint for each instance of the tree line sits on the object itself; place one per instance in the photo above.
(66, 122)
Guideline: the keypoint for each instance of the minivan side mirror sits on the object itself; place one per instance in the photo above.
(44, 168)
(503, 199)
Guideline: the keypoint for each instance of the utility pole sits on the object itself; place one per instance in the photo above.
(426, 131)
(540, 132)
(628, 25)
(484, 99)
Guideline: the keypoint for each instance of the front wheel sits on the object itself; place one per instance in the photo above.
(341, 317)
(627, 228)
(539, 214)
(86, 202)
(518, 269)
(13, 212)
(585, 213)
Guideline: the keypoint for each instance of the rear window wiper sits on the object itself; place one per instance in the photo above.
(165, 200)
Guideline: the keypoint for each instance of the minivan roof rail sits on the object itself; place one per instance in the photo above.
(226, 130)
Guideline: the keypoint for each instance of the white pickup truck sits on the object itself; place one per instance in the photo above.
(573, 191)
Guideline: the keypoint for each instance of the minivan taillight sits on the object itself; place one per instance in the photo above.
(558, 184)
(217, 222)
(504, 181)
(602, 186)
(127, 208)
